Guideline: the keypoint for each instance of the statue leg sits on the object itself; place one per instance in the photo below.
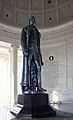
(29, 70)
(34, 80)
(39, 76)
(37, 60)
(39, 80)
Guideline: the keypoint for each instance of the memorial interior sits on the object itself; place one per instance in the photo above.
(54, 19)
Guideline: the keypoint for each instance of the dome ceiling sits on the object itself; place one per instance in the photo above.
(48, 13)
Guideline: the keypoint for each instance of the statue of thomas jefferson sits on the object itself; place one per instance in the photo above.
(32, 58)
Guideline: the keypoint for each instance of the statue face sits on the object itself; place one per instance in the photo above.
(32, 21)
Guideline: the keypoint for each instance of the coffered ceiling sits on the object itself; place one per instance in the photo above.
(48, 13)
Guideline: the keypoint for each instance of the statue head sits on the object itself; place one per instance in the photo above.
(32, 21)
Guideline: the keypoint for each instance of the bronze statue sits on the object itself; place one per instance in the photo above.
(32, 58)
(33, 102)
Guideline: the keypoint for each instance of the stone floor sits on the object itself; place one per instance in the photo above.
(64, 112)
(52, 118)
(65, 109)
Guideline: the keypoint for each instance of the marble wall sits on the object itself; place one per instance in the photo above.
(54, 71)
(57, 74)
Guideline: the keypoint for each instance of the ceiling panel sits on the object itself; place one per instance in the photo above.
(72, 8)
(49, 4)
(36, 4)
(38, 17)
(22, 4)
(10, 2)
(7, 14)
(0, 10)
(62, 1)
(47, 12)
(50, 18)
(0, 1)
(64, 13)
(21, 18)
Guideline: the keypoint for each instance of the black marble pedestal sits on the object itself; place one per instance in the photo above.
(34, 105)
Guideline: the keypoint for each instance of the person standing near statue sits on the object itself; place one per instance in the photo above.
(32, 58)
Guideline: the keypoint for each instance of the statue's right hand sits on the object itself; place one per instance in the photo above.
(26, 53)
